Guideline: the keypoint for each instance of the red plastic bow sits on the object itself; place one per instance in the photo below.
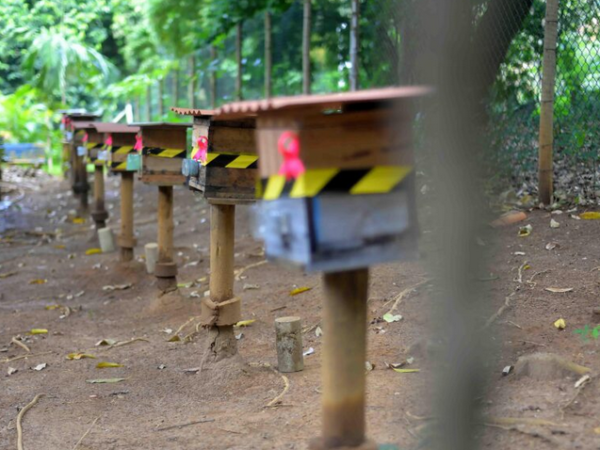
(85, 138)
(138, 143)
(289, 147)
(202, 153)
(108, 141)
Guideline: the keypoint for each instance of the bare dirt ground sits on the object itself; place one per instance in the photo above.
(160, 405)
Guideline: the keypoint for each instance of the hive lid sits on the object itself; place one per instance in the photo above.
(322, 101)
(193, 111)
(104, 127)
(81, 125)
(160, 125)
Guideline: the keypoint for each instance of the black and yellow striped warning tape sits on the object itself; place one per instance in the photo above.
(118, 165)
(313, 182)
(121, 150)
(164, 152)
(229, 160)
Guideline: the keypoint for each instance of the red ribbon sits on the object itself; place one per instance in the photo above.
(85, 138)
(138, 143)
(108, 141)
(202, 153)
(289, 147)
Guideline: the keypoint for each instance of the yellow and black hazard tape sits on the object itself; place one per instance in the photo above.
(93, 146)
(118, 165)
(313, 182)
(229, 160)
(122, 150)
(164, 152)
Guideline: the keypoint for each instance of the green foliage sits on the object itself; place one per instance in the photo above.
(586, 332)
(56, 59)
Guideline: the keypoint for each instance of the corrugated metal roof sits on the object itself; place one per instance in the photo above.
(193, 111)
(104, 127)
(83, 124)
(325, 101)
(160, 124)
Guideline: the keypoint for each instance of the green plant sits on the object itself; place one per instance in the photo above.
(586, 331)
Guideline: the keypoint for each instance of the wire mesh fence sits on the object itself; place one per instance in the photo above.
(514, 105)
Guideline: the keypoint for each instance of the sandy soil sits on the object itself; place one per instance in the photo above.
(229, 400)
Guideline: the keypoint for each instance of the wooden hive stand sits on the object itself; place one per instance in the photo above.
(77, 167)
(120, 141)
(222, 168)
(163, 149)
(91, 151)
(337, 196)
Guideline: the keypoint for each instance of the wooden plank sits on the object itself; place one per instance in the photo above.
(235, 185)
(164, 137)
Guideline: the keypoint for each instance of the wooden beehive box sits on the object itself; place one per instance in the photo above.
(122, 138)
(223, 162)
(89, 143)
(336, 177)
(70, 118)
(164, 147)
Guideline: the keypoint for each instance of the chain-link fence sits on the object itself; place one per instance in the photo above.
(514, 105)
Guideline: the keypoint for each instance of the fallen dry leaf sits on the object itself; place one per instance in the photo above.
(38, 281)
(245, 323)
(117, 287)
(106, 342)
(560, 324)
(93, 251)
(11, 370)
(590, 215)
(525, 231)
(105, 380)
(406, 370)
(78, 356)
(53, 307)
(39, 367)
(107, 365)
(300, 290)
(35, 331)
(558, 290)
(554, 223)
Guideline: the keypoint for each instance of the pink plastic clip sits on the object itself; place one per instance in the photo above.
(85, 138)
(289, 147)
(108, 141)
(202, 154)
(138, 143)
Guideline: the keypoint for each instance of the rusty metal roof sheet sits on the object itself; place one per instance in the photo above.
(324, 101)
(193, 111)
(83, 124)
(160, 124)
(82, 115)
(104, 127)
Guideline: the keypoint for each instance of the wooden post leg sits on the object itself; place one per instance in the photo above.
(126, 239)
(81, 184)
(99, 214)
(73, 168)
(344, 356)
(222, 228)
(166, 270)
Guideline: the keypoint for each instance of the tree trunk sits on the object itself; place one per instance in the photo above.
(306, 48)
(175, 100)
(149, 103)
(160, 98)
(136, 109)
(213, 78)
(238, 58)
(192, 81)
(546, 138)
(354, 44)
(268, 55)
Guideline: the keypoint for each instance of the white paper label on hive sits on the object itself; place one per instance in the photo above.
(69, 135)
(81, 151)
(102, 155)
